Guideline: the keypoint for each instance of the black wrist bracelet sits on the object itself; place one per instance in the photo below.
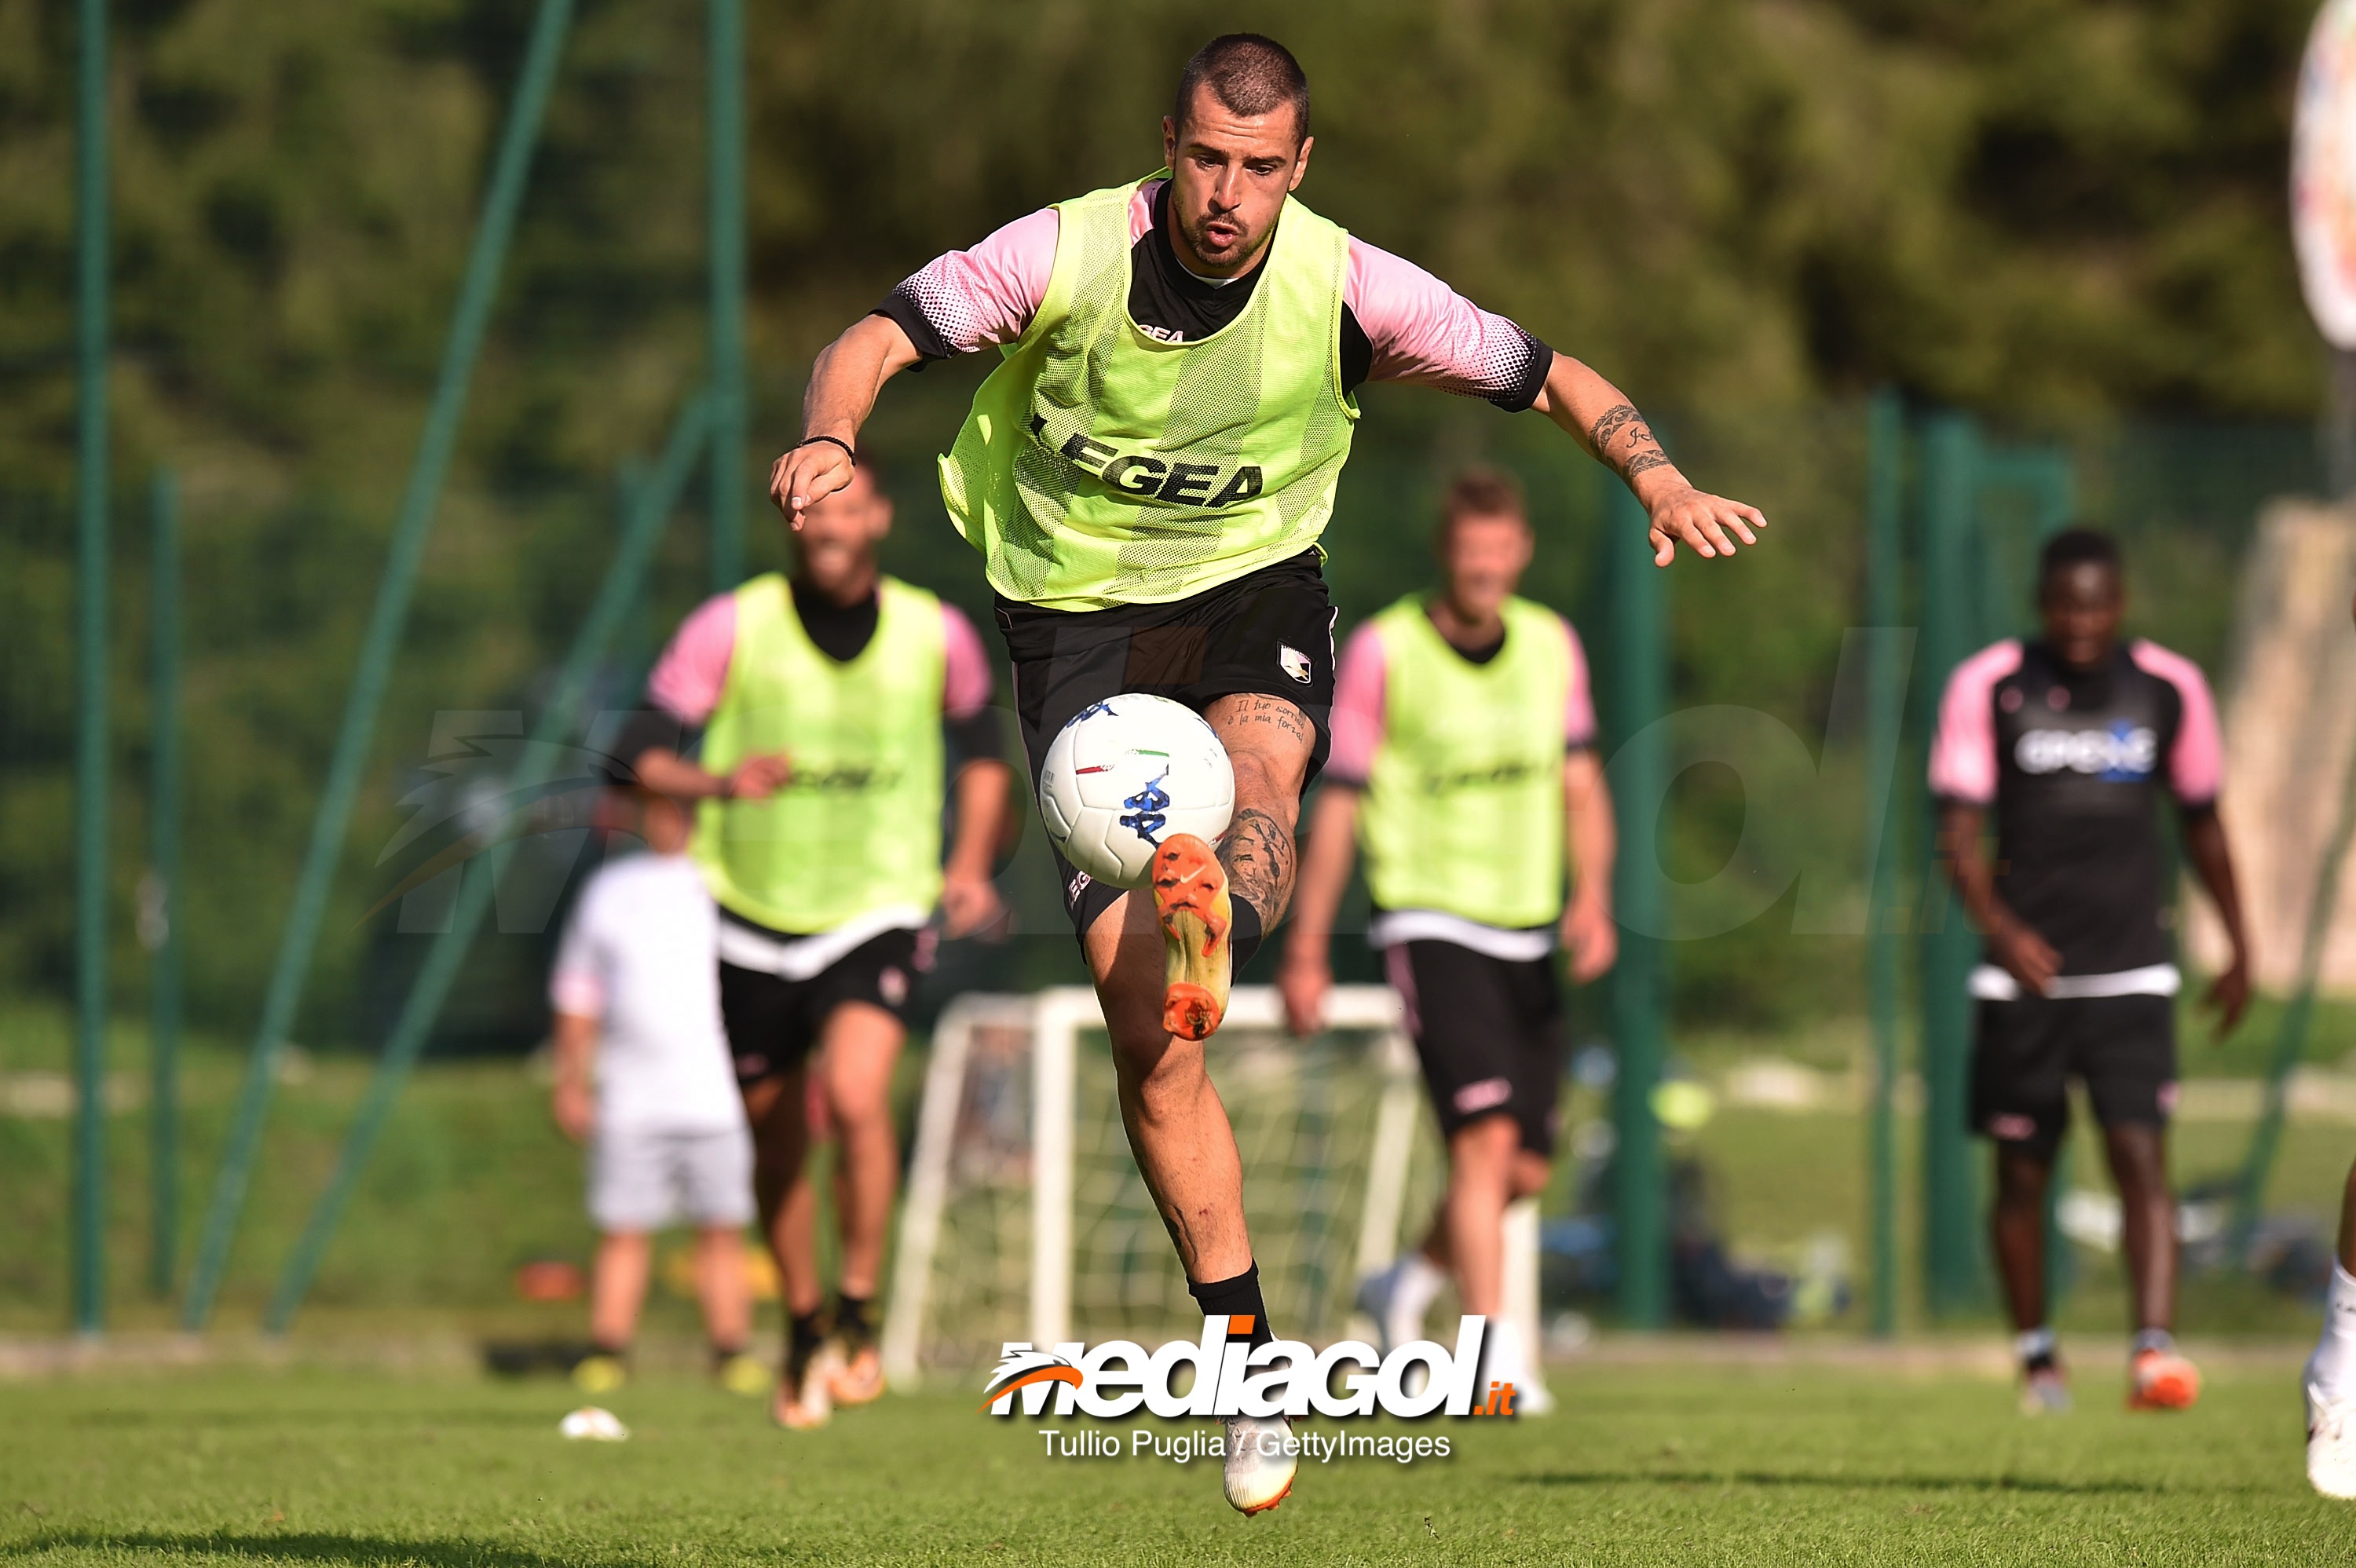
(847, 450)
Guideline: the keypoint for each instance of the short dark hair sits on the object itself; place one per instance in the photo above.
(1251, 75)
(1481, 491)
(2075, 546)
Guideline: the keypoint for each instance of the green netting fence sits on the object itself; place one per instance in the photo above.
(1763, 888)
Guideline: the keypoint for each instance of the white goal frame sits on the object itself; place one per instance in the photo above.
(1056, 1018)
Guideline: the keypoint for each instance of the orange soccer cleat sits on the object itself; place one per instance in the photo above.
(2162, 1380)
(857, 1374)
(1190, 900)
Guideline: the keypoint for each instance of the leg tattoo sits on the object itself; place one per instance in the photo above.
(1269, 740)
(1258, 855)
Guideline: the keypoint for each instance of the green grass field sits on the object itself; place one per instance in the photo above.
(471, 1179)
(1666, 1462)
(1657, 1464)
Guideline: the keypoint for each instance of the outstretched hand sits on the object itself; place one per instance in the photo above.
(806, 475)
(1700, 522)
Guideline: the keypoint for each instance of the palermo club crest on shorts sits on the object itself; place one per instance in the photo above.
(1292, 662)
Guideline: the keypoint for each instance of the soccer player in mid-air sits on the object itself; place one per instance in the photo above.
(1146, 473)
(2070, 739)
(1463, 761)
(832, 704)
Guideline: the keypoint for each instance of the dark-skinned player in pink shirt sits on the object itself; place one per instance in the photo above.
(2070, 739)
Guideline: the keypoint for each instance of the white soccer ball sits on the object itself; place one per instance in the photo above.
(591, 1424)
(1126, 773)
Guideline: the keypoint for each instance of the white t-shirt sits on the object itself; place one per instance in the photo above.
(639, 957)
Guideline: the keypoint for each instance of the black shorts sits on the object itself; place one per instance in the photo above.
(775, 1023)
(1270, 631)
(2122, 1048)
(1488, 1032)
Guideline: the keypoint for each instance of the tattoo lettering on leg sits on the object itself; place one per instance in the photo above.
(1250, 708)
(1270, 742)
(1258, 855)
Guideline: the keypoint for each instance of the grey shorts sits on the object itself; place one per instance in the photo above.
(643, 1179)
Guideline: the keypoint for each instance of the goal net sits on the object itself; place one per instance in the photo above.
(1026, 1220)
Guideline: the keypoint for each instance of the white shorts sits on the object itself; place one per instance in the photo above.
(643, 1179)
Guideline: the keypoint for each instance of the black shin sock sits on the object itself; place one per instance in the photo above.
(852, 1317)
(1236, 1298)
(805, 1332)
(1244, 935)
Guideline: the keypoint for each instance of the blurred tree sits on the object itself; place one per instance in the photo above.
(2040, 207)
(2031, 206)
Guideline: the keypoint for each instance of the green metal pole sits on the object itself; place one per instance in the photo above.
(1950, 625)
(1639, 993)
(418, 502)
(1884, 713)
(557, 721)
(2290, 1039)
(91, 282)
(725, 94)
(164, 853)
(632, 645)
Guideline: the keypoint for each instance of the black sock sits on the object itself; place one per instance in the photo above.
(1237, 1297)
(805, 1332)
(851, 1316)
(1243, 935)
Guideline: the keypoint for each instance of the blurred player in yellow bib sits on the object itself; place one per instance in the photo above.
(1464, 766)
(832, 705)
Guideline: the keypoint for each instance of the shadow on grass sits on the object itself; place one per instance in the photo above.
(1835, 1482)
(301, 1546)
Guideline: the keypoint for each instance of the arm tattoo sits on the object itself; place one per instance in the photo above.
(1259, 859)
(1643, 449)
(1609, 425)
